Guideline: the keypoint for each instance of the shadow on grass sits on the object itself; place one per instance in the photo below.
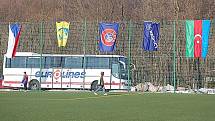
(116, 93)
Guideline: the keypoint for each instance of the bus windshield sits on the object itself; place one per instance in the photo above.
(123, 70)
(119, 69)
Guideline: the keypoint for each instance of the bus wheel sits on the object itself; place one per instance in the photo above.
(34, 85)
(94, 85)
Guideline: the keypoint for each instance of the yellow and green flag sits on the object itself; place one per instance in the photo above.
(62, 33)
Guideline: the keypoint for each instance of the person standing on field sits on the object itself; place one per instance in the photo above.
(25, 80)
(101, 85)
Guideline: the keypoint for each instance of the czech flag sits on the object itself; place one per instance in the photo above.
(13, 40)
(197, 36)
(108, 34)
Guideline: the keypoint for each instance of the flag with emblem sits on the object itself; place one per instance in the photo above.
(62, 33)
(197, 37)
(151, 36)
(108, 35)
(13, 39)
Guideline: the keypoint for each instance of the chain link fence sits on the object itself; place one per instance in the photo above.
(162, 67)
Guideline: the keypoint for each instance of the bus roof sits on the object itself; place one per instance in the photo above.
(36, 54)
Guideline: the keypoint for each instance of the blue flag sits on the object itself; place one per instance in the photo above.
(108, 34)
(151, 36)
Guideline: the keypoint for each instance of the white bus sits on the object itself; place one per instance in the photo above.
(65, 71)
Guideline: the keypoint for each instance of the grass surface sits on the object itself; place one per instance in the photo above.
(73, 106)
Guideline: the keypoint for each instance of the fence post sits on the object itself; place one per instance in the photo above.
(41, 50)
(129, 53)
(174, 55)
(84, 38)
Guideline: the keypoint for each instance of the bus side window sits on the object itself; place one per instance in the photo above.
(48, 62)
(73, 62)
(56, 62)
(33, 62)
(97, 63)
(19, 62)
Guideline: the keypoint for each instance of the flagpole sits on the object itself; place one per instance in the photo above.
(174, 55)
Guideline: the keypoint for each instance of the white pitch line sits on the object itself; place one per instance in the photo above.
(91, 97)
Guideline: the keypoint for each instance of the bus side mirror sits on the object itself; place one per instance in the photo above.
(1, 77)
(132, 67)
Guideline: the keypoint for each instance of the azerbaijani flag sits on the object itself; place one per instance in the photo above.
(197, 36)
(13, 40)
(62, 33)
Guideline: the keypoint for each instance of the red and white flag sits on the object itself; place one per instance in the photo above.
(13, 40)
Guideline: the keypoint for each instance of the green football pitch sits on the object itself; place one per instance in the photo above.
(82, 106)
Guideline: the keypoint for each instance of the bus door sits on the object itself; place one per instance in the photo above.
(115, 78)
